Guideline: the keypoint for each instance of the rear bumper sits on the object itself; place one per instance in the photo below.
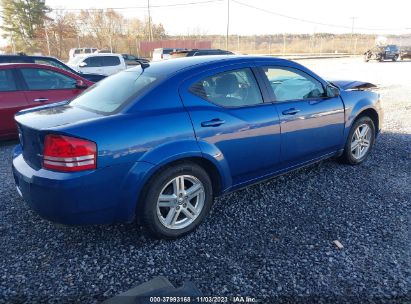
(88, 197)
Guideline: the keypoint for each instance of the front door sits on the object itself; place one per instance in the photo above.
(230, 117)
(312, 124)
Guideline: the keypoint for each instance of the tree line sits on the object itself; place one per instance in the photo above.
(31, 26)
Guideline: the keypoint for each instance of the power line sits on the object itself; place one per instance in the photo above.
(311, 21)
(137, 7)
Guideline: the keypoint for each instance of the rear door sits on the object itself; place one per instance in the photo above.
(230, 118)
(47, 86)
(312, 124)
(12, 100)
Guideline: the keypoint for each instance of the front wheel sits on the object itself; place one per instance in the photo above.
(177, 199)
(360, 141)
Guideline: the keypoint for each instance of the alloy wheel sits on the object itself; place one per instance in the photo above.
(180, 202)
(360, 141)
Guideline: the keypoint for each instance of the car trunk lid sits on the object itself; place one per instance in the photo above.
(34, 124)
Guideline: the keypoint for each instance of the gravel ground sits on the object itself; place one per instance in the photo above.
(273, 241)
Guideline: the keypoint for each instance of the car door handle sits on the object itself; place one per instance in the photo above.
(291, 111)
(212, 123)
(41, 100)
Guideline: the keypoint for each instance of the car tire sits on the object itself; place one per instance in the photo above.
(359, 141)
(395, 58)
(169, 209)
(366, 58)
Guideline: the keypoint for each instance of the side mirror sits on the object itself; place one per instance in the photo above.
(82, 64)
(332, 91)
(81, 85)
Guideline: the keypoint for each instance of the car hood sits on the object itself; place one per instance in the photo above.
(53, 115)
(353, 84)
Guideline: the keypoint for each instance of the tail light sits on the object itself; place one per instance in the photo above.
(69, 154)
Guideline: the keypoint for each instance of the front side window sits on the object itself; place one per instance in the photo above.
(92, 62)
(289, 84)
(7, 82)
(42, 79)
(237, 88)
(111, 93)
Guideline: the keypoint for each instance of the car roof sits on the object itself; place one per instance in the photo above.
(28, 56)
(173, 66)
(26, 65)
(4, 66)
(98, 54)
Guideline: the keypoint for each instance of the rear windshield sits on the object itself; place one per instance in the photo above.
(110, 94)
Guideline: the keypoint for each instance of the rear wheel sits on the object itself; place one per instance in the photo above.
(177, 199)
(360, 141)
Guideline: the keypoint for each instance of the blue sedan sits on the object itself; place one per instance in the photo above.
(161, 140)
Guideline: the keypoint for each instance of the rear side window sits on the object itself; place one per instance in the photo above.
(109, 60)
(52, 63)
(7, 82)
(42, 79)
(237, 88)
(110, 94)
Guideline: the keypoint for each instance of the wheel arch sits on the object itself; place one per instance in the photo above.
(371, 113)
(218, 183)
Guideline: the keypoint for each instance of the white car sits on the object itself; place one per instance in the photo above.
(78, 51)
(164, 53)
(98, 63)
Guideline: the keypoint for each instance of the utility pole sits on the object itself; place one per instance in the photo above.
(352, 31)
(150, 29)
(228, 24)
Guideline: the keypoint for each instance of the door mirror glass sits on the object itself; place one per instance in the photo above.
(82, 64)
(332, 91)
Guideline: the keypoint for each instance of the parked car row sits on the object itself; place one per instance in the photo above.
(168, 53)
(49, 61)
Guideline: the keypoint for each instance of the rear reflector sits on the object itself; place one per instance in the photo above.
(69, 154)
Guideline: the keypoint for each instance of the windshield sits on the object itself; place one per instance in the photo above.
(110, 94)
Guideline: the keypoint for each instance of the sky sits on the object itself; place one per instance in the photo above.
(211, 17)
